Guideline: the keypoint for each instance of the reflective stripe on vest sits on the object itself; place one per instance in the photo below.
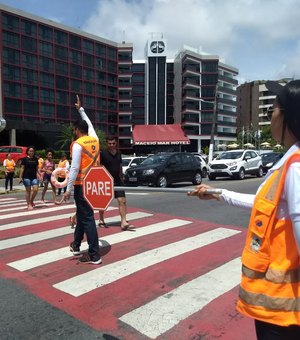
(270, 286)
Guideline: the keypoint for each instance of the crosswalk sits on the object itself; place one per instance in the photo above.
(156, 282)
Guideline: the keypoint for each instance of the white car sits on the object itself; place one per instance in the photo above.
(127, 162)
(203, 165)
(235, 164)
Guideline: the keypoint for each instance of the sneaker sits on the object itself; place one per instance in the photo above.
(74, 249)
(88, 259)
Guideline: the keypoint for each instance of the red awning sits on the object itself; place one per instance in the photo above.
(170, 134)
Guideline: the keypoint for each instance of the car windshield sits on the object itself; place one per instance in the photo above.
(270, 157)
(230, 155)
(157, 159)
(125, 161)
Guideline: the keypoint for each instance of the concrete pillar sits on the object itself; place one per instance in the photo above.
(12, 137)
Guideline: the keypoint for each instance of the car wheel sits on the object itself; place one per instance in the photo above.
(162, 181)
(197, 178)
(241, 174)
(212, 177)
(260, 172)
(204, 172)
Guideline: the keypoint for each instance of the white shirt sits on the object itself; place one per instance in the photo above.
(76, 150)
(289, 203)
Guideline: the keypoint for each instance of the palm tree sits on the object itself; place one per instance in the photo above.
(66, 137)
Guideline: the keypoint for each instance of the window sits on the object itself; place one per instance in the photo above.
(100, 64)
(61, 53)
(101, 50)
(30, 92)
(75, 71)
(45, 33)
(76, 85)
(75, 41)
(62, 112)
(29, 44)
(45, 49)
(101, 103)
(112, 67)
(101, 77)
(112, 92)
(12, 89)
(61, 68)
(12, 105)
(10, 22)
(112, 105)
(29, 60)
(46, 64)
(47, 95)
(11, 72)
(28, 28)
(89, 101)
(60, 38)
(88, 46)
(88, 74)
(46, 80)
(88, 60)
(11, 56)
(101, 90)
(31, 108)
(111, 53)
(112, 80)
(75, 57)
(209, 67)
(47, 110)
(29, 76)
(62, 82)
(89, 88)
(10, 39)
(62, 97)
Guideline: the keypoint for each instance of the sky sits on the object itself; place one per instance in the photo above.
(261, 38)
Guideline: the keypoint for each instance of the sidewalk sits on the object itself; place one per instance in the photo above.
(16, 186)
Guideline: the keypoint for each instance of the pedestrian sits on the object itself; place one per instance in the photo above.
(47, 169)
(63, 164)
(85, 151)
(40, 175)
(28, 176)
(9, 169)
(270, 287)
(112, 160)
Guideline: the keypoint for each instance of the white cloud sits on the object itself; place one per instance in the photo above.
(246, 33)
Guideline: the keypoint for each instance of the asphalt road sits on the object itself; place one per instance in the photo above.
(23, 316)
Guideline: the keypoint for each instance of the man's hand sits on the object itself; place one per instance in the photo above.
(77, 104)
(66, 195)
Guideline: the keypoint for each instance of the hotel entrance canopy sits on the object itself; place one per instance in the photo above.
(170, 134)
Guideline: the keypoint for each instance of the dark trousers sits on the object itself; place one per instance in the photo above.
(59, 189)
(268, 331)
(85, 224)
(9, 177)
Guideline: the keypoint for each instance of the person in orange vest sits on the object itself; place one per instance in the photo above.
(85, 151)
(63, 164)
(270, 289)
(9, 169)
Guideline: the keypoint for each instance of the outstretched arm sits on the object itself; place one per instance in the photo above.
(84, 116)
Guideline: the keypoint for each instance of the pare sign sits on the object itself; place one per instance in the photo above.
(98, 188)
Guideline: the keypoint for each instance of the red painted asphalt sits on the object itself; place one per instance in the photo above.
(102, 308)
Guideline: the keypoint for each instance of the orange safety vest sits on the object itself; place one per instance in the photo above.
(270, 286)
(62, 164)
(10, 165)
(90, 156)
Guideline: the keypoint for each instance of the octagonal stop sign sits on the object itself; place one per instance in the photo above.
(98, 188)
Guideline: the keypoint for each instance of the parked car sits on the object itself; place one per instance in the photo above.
(165, 168)
(269, 159)
(17, 152)
(127, 162)
(235, 164)
(203, 164)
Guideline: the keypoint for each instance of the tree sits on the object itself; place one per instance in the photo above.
(65, 137)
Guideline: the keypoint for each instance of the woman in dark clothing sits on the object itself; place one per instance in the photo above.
(28, 175)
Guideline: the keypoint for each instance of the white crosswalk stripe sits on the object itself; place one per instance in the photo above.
(99, 277)
(157, 316)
